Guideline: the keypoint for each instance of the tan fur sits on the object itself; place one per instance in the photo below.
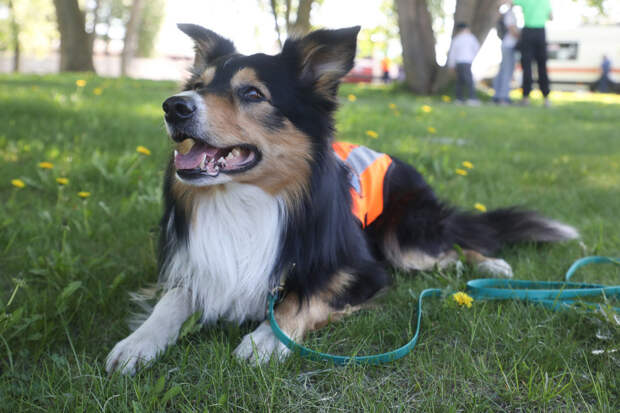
(417, 260)
(296, 320)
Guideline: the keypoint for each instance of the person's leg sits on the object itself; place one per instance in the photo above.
(460, 82)
(540, 53)
(502, 81)
(469, 79)
(526, 61)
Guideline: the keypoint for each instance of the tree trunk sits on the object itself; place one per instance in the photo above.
(76, 53)
(418, 41)
(481, 16)
(302, 22)
(131, 36)
(274, 11)
(14, 37)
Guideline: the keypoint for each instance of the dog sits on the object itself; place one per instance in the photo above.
(258, 194)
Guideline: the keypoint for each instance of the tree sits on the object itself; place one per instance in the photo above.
(130, 43)
(282, 12)
(415, 20)
(76, 52)
(14, 37)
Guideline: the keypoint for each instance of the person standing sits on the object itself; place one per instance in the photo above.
(501, 83)
(464, 48)
(533, 45)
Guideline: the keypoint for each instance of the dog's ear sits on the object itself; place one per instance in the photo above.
(323, 57)
(208, 45)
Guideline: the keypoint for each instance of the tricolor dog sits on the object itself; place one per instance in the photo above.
(259, 193)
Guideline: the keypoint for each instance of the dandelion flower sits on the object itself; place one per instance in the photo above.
(62, 181)
(143, 150)
(462, 299)
(480, 207)
(392, 105)
(97, 91)
(426, 109)
(83, 194)
(461, 172)
(18, 183)
(80, 83)
(372, 134)
(430, 129)
(46, 165)
(446, 98)
(468, 165)
(352, 97)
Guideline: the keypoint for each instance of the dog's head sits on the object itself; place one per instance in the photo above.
(257, 119)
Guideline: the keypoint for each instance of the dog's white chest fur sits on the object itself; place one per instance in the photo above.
(234, 239)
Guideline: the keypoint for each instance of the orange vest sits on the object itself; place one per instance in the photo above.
(368, 169)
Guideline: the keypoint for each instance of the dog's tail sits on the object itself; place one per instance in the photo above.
(489, 231)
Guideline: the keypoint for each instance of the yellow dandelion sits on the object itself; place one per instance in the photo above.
(372, 134)
(143, 150)
(480, 207)
(392, 105)
(468, 165)
(462, 299)
(461, 172)
(97, 91)
(18, 183)
(80, 83)
(446, 98)
(430, 129)
(83, 194)
(46, 165)
(62, 181)
(352, 97)
(426, 109)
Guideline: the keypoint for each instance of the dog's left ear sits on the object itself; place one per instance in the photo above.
(324, 57)
(208, 44)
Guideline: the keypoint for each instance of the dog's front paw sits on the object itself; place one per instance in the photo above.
(496, 267)
(259, 346)
(133, 352)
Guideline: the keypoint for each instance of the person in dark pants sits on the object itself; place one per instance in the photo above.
(534, 45)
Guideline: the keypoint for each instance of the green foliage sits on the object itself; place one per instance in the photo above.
(152, 18)
(67, 263)
(37, 26)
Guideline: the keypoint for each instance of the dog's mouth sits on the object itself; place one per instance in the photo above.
(195, 158)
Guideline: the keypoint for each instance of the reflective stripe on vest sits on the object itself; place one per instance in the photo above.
(368, 169)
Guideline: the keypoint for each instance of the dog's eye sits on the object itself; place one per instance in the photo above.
(198, 85)
(252, 94)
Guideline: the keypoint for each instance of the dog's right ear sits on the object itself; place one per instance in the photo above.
(208, 45)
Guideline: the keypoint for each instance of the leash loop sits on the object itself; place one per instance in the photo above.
(552, 294)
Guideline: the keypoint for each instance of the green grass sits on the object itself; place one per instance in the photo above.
(68, 263)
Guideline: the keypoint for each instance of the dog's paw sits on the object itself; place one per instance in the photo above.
(495, 266)
(133, 352)
(261, 345)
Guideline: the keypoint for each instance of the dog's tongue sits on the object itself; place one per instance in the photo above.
(190, 160)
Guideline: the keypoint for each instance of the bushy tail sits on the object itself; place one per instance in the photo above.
(488, 231)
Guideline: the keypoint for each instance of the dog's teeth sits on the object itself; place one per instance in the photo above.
(203, 163)
(176, 153)
(221, 160)
(230, 156)
(235, 152)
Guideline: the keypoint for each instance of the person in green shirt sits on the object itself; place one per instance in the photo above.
(533, 45)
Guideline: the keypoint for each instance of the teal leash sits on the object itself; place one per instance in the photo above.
(553, 295)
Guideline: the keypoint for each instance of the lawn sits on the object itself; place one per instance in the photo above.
(70, 252)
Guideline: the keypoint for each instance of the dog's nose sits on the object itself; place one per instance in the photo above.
(178, 108)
